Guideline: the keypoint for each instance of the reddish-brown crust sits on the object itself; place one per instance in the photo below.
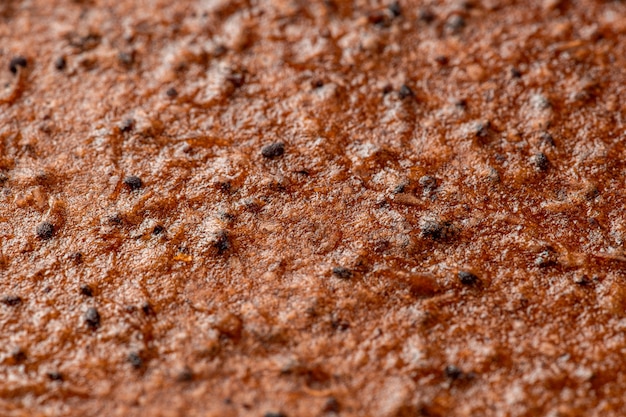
(440, 233)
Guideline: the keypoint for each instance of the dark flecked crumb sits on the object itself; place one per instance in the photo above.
(115, 219)
(453, 372)
(60, 63)
(273, 150)
(16, 62)
(515, 73)
(158, 229)
(11, 300)
(400, 188)
(86, 290)
(540, 161)
(133, 182)
(222, 242)
(76, 257)
(342, 272)
(92, 318)
(405, 92)
(428, 183)
(45, 231)
(127, 125)
(545, 258)
(55, 376)
(436, 230)
(582, 280)
(274, 414)
(467, 278)
(135, 360)
(171, 92)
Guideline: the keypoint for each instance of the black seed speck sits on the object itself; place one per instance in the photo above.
(222, 242)
(127, 125)
(342, 272)
(86, 290)
(92, 318)
(135, 360)
(133, 182)
(453, 372)
(147, 309)
(273, 150)
(395, 9)
(317, 84)
(515, 73)
(405, 92)
(426, 16)
(18, 61)
(11, 300)
(158, 229)
(540, 161)
(171, 92)
(387, 89)
(45, 231)
(55, 376)
(467, 278)
(60, 63)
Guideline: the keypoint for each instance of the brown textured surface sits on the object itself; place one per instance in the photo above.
(502, 156)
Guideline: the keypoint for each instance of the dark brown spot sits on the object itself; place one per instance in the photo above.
(133, 182)
(17, 62)
(11, 300)
(45, 231)
(342, 272)
(273, 150)
(467, 278)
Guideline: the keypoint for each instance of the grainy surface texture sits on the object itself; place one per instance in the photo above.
(296, 208)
